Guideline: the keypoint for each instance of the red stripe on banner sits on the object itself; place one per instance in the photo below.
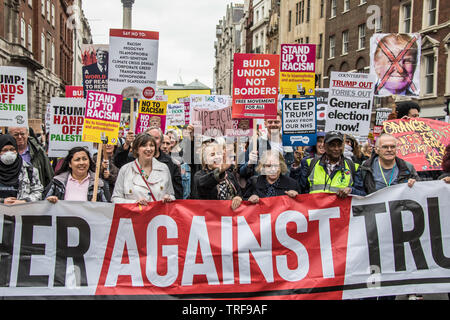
(277, 249)
(135, 34)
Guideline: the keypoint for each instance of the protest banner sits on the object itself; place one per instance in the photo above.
(420, 141)
(322, 104)
(212, 112)
(13, 97)
(151, 114)
(297, 69)
(187, 109)
(133, 63)
(102, 117)
(74, 92)
(299, 122)
(95, 68)
(381, 115)
(395, 61)
(175, 115)
(350, 103)
(66, 126)
(312, 247)
(255, 85)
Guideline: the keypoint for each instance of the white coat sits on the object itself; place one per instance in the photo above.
(130, 187)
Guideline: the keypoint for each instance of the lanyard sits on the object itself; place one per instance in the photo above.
(141, 172)
(382, 173)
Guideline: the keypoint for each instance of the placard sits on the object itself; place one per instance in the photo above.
(133, 63)
(255, 85)
(95, 59)
(13, 97)
(102, 118)
(297, 69)
(350, 103)
(151, 113)
(299, 122)
(66, 126)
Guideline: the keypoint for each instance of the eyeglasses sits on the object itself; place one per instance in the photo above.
(22, 134)
(388, 147)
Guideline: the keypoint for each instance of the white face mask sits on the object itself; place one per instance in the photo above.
(8, 157)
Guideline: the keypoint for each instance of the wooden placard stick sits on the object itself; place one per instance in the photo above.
(255, 136)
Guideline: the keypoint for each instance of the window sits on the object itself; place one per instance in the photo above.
(53, 57)
(30, 38)
(290, 21)
(43, 49)
(379, 25)
(429, 74)
(361, 36)
(23, 31)
(308, 11)
(430, 7)
(322, 7)
(332, 8)
(302, 8)
(346, 5)
(43, 8)
(361, 2)
(332, 46)
(307, 40)
(319, 47)
(30, 3)
(405, 18)
(53, 14)
(48, 10)
(345, 42)
(297, 13)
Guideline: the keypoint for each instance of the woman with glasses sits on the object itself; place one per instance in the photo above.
(75, 179)
(145, 179)
(272, 180)
(216, 180)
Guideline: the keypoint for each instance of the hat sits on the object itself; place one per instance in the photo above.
(333, 135)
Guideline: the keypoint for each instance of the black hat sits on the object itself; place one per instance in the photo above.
(333, 135)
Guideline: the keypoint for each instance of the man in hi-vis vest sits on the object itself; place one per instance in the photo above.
(331, 172)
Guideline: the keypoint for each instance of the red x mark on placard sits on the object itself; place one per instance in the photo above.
(395, 65)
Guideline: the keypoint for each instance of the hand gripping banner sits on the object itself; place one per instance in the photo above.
(395, 241)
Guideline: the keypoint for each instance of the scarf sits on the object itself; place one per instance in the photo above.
(9, 175)
(270, 190)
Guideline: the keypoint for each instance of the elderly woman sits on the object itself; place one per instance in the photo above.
(75, 179)
(19, 181)
(272, 180)
(216, 180)
(145, 179)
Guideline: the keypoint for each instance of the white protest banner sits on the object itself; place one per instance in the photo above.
(66, 126)
(175, 115)
(133, 63)
(299, 122)
(311, 247)
(350, 103)
(13, 97)
(212, 112)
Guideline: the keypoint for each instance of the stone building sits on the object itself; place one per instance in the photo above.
(34, 34)
(228, 42)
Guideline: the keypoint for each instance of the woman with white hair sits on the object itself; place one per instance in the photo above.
(272, 180)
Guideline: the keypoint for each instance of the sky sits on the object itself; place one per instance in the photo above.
(187, 31)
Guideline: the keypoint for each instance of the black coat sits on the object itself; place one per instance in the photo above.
(205, 184)
(257, 186)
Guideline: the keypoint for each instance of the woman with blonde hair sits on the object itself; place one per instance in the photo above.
(216, 180)
(272, 180)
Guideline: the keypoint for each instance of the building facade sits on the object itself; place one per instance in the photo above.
(430, 18)
(260, 26)
(34, 34)
(303, 21)
(82, 35)
(228, 42)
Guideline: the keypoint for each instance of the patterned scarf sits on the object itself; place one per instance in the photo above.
(271, 188)
(225, 190)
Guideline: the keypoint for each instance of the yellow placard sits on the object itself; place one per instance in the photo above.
(292, 82)
(93, 130)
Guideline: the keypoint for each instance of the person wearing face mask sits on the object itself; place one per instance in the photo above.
(19, 181)
(145, 179)
(272, 180)
(216, 180)
(75, 179)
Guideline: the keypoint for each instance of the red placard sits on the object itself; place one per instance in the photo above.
(74, 92)
(255, 85)
(420, 141)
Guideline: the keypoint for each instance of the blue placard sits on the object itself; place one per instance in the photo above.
(299, 125)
